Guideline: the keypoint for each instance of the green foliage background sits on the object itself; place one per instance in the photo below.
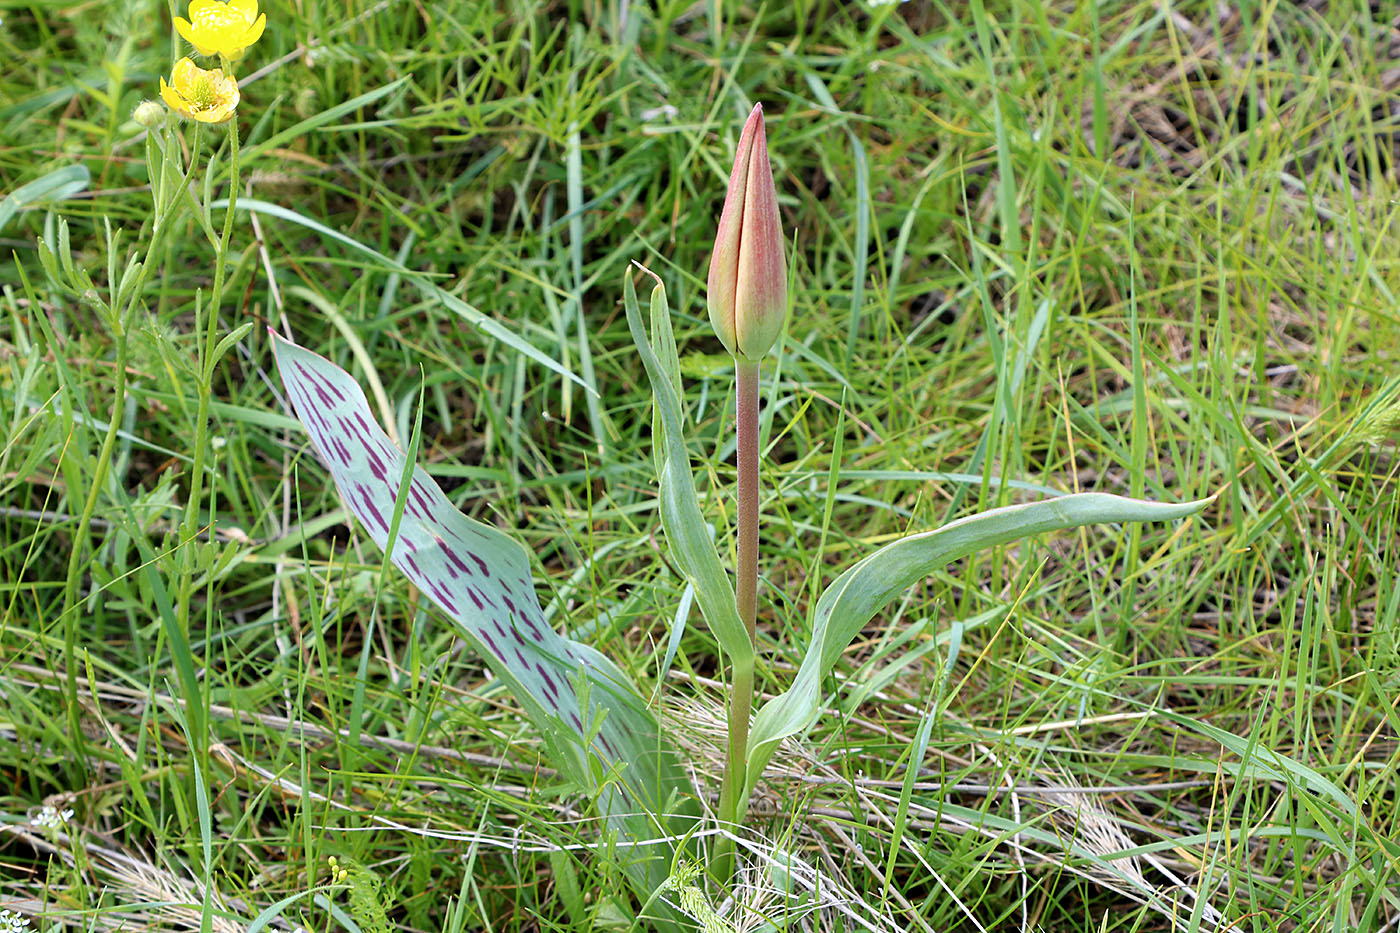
(1129, 247)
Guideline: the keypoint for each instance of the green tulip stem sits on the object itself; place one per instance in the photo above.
(731, 803)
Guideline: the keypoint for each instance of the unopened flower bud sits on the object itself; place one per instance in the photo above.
(747, 288)
(149, 114)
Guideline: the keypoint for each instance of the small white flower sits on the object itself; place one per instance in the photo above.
(12, 922)
(49, 818)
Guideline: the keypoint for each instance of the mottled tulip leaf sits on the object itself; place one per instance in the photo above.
(872, 583)
(597, 728)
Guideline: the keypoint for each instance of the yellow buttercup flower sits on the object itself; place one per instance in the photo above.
(218, 28)
(206, 95)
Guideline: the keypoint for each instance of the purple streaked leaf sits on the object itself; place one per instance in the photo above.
(597, 728)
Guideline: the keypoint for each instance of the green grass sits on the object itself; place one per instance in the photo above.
(1145, 249)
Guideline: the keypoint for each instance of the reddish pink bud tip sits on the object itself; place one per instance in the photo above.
(747, 287)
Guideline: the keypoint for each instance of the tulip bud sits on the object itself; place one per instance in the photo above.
(747, 288)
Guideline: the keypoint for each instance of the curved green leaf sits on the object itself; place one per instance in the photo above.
(871, 584)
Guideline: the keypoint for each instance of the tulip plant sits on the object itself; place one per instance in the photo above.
(746, 295)
(597, 728)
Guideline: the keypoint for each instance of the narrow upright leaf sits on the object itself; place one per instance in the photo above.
(687, 538)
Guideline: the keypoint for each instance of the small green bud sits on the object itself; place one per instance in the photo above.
(149, 114)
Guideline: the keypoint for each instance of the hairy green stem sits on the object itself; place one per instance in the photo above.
(732, 806)
(70, 590)
(190, 529)
(121, 319)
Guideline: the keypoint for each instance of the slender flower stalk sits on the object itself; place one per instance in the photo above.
(121, 320)
(741, 691)
(746, 427)
(208, 96)
(207, 361)
(747, 302)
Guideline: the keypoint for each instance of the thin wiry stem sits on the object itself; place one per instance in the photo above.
(190, 531)
(120, 320)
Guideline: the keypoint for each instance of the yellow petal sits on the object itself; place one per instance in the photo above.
(256, 30)
(249, 8)
(194, 36)
(219, 114)
(168, 94)
(199, 6)
(186, 31)
(183, 71)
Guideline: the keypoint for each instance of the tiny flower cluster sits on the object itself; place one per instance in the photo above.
(338, 872)
(215, 27)
(51, 818)
(12, 922)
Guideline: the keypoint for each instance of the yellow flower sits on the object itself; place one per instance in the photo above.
(218, 28)
(208, 96)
